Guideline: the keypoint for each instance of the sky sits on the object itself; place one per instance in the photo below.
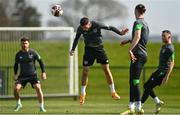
(160, 14)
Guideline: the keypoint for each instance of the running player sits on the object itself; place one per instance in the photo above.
(94, 50)
(26, 58)
(138, 56)
(161, 75)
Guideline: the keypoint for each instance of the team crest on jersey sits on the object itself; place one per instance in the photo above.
(95, 30)
(20, 57)
(163, 50)
(30, 55)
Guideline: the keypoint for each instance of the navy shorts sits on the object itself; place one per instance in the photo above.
(156, 78)
(23, 80)
(94, 53)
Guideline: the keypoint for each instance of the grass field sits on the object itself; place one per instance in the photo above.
(98, 97)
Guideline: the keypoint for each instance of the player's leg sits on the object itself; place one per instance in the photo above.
(17, 89)
(88, 60)
(84, 82)
(39, 92)
(102, 58)
(35, 83)
(137, 67)
(110, 81)
(18, 86)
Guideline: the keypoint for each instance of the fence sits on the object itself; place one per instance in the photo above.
(58, 83)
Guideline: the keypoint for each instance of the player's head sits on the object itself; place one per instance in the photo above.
(25, 43)
(139, 10)
(85, 23)
(166, 36)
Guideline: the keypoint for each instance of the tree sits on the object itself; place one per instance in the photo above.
(101, 10)
(4, 18)
(18, 13)
(26, 15)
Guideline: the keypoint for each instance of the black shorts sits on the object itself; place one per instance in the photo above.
(92, 53)
(23, 80)
(156, 77)
(137, 66)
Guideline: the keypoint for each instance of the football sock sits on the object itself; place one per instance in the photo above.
(83, 90)
(156, 100)
(112, 88)
(138, 105)
(19, 101)
(131, 105)
(41, 105)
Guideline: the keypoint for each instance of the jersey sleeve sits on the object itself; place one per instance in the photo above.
(138, 26)
(76, 39)
(171, 55)
(38, 58)
(16, 64)
(107, 27)
(36, 55)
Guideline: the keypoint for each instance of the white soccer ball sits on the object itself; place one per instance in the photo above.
(57, 10)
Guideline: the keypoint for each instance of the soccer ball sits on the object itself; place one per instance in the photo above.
(57, 10)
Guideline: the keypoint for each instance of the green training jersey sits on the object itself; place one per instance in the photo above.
(167, 54)
(27, 60)
(140, 48)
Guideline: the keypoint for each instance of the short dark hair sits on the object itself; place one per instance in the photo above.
(23, 39)
(84, 21)
(166, 31)
(140, 8)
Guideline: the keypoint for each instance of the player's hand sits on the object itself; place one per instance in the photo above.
(124, 42)
(165, 80)
(43, 76)
(124, 31)
(15, 77)
(132, 56)
(71, 52)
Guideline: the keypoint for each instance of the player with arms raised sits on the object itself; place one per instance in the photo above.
(94, 50)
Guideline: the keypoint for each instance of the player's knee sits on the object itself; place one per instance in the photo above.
(37, 86)
(136, 82)
(17, 89)
(85, 70)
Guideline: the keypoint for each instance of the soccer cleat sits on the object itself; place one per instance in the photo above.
(42, 109)
(158, 107)
(18, 106)
(139, 112)
(82, 99)
(128, 112)
(115, 96)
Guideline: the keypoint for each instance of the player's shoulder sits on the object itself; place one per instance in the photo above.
(95, 23)
(33, 51)
(169, 47)
(19, 52)
(140, 21)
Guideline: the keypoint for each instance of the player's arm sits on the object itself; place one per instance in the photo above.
(42, 66)
(112, 28)
(135, 40)
(124, 42)
(75, 42)
(16, 67)
(170, 68)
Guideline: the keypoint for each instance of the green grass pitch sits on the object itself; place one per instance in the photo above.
(99, 100)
